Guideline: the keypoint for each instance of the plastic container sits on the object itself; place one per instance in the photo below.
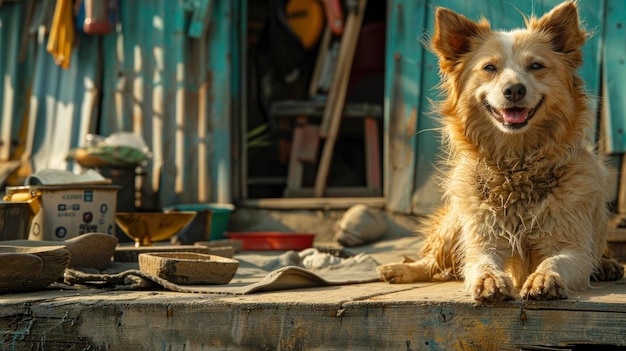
(219, 217)
(261, 241)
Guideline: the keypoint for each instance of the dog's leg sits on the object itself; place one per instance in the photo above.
(435, 260)
(610, 270)
(484, 278)
(437, 253)
(566, 271)
(555, 275)
(398, 273)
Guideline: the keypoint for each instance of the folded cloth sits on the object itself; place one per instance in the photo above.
(354, 270)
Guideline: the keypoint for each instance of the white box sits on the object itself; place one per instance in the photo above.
(67, 211)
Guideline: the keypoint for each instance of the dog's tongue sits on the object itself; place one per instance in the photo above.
(514, 115)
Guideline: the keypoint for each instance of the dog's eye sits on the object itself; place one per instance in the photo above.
(490, 68)
(536, 66)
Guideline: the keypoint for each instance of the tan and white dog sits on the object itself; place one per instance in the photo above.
(524, 194)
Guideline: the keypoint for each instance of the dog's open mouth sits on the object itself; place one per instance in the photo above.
(513, 117)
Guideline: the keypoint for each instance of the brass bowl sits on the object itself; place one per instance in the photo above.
(147, 227)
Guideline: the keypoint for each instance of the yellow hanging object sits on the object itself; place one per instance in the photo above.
(61, 37)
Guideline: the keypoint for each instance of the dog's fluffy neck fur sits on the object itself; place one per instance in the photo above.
(514, 163)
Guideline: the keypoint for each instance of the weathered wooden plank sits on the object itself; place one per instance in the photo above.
(448, 326)
(368, 316)
(600, 297)
(614, 56)
(402, 91)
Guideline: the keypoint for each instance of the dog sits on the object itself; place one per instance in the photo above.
(524, 210)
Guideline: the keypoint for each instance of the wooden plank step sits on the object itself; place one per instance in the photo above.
(376, 316)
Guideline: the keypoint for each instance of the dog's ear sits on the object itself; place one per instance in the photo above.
(454, 34)
(562, 25)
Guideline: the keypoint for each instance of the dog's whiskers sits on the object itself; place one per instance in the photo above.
(427, 130)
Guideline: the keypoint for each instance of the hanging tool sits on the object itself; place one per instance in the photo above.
(334, 15)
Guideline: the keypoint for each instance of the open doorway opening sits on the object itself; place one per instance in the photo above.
(315, 90)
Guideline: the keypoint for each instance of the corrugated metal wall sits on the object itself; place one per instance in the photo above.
(63, 104)
(15, 75)
(412, 147)
(175, 91)
(158, 75)
(46, 109)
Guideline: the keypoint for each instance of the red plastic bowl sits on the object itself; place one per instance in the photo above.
(260, 241)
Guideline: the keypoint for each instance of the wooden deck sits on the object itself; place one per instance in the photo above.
(374, 316)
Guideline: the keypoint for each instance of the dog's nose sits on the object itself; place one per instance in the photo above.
(514, 92)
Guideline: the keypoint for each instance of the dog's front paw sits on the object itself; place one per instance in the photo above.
(493, 287)
(544, 286)
(611, 270)
(397, 273)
